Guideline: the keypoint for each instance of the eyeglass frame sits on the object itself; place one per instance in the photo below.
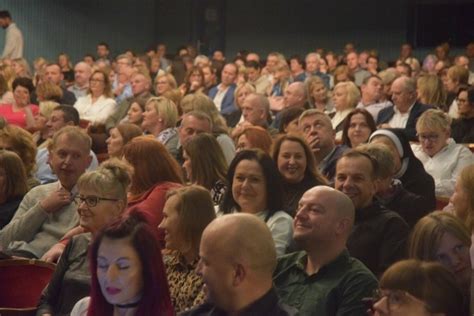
(79, 199)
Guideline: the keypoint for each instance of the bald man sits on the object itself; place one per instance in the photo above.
(82, 74)
(323, 279)
(294, 96)
(237, 268)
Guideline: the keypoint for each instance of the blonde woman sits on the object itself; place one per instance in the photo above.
(345, 97)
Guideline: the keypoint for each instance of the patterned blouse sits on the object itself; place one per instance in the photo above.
(185, 285)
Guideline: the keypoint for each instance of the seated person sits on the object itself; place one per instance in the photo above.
(322, 278)
(238, 282)
(462, 129)
(186, 214)
(442, 158)
(101, 198)
(62, 115)
(379, 235)
(47, 212)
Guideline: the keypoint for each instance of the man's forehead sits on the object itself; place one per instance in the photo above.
(314, 119)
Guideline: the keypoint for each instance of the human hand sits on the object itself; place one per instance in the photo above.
(313, 142)
(56, 200)
(53, 254)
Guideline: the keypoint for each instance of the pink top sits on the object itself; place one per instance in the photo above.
(16, 118)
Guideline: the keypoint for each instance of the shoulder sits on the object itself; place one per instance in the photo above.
(42, 189)
(81, 307)
(288, 261)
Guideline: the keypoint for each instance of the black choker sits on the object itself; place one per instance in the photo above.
(131, 305)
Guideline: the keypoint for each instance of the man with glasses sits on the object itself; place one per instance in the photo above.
(323, 279)
(47, 212)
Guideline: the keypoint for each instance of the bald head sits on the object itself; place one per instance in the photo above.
(295, 95)
(233, 237)
(338, 202)
(82, 73)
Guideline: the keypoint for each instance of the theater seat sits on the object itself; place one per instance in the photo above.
(21, 283)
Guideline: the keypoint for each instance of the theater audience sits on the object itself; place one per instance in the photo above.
(101, 199)
(442, 237)
(322, 278)
(223, 94)
(241, 92)
(42, 131)
(357, 128)
(186, 214)
(164, 83)
(379, 235)
(430, 90)
(135, 113)
(255, 187)
(413, 287)
(139, 289)
(47, 212)
(82, 74)
(193, 82)
(456, 77)
(345, 97)
(371, 96)
(120, 136)
(13, 185)
(98, 104)
(289, 120)
(442, 158)
(408, 169)
(238, 282)
(205, 165)
(53, 74)
(318, 94)
(297, 167)
(21, 112)
(462, 200)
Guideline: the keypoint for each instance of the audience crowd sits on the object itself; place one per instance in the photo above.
(162, 184)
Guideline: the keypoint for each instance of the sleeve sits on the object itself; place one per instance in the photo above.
(445, 187)
(28, 219)
(358, 286)
(281, 227)
(227, 146)
(51, 292)
(10, 42)
(108, 108)
(393, 245)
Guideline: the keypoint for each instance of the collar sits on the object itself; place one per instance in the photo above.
(369, 211)
(397, 111)
(336, 265)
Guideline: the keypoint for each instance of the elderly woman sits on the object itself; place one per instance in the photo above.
(21, 112)
(462, 129)
(13, 185)
(21, 142)
(205, 165)
(99, 103)
(413, 287)
(318, 95)
(101, 198)
(346, 95)
(255, 187)
(186, 214)
(297, 167)
(159, 120)
(127, 272)
(442, 158)
(120, 136)
(442, 237)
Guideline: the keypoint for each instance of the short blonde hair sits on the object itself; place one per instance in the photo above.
(166, 109)
(46, 108)
(353, 93)
(433, 119)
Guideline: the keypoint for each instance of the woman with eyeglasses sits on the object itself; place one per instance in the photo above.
(101, 199)
(462, 129)
(442, 158)
(417, 288)
(99, 103)
(442, 237)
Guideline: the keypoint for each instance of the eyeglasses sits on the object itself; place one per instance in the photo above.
(394, 299)
(90, 200)
(428, 137)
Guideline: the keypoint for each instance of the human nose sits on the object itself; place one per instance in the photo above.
(381, 307)
(112, 272)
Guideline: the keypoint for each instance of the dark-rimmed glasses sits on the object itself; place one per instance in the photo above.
(90, 200)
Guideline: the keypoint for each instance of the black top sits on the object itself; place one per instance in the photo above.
(7, 210)
(267, 305)
(462, 130)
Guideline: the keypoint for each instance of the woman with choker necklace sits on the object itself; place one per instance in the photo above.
(297, 167)
(127, 273)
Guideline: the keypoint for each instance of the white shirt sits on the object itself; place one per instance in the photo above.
(220, 96)
(399, 119)
(445, 166)
(13, 43)
(98, 112)
(453, 110)
(374, 108)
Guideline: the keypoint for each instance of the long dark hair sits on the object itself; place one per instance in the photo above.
(272, 176)
(156, 297)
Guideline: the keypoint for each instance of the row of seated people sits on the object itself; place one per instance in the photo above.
(252, 186)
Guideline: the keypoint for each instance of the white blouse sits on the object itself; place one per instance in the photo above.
(445, 166)
(97, 112)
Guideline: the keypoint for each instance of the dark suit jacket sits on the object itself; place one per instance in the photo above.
(227, 106)
(386, 115)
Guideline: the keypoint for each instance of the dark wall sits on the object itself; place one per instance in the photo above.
(298, 26)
